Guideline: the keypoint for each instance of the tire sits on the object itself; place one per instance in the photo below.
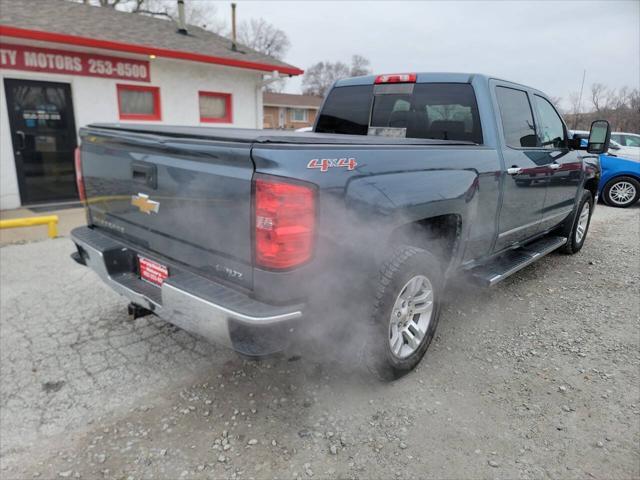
(407, 269)
(621, 192)
(576, 230)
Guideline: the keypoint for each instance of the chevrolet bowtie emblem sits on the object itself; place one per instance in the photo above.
(144, 204)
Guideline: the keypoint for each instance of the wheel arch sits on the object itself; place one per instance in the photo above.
(633, 175)
(439, 235)
(426, 209)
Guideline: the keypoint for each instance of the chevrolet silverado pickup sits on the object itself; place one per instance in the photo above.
(249, 237)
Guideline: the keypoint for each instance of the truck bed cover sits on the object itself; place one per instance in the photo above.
(249, 135)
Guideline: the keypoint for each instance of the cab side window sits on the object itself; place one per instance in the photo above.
(551, 129)
(517, 118)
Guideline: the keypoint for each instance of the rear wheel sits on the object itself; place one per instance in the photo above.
(405, 314)
(622, 192)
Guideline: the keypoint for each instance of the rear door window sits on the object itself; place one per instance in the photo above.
(444, 111)
(517, 118)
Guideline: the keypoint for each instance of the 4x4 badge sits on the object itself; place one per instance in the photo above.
(144, 204)
(324, 164)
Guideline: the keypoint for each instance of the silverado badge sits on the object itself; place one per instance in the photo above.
(144, 204)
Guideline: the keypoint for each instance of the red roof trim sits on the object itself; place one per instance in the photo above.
(141, 49)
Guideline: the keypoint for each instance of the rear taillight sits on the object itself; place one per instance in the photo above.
(396, 78)
(284, 223)
(79, 179)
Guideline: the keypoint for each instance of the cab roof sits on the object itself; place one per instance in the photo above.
(430, 77)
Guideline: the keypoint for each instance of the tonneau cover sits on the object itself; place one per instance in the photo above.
(250, 135)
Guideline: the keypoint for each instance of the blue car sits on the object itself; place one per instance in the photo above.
(620, 182)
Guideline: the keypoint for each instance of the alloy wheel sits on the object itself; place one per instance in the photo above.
(410, 316)
(583, 222)
(621, 193)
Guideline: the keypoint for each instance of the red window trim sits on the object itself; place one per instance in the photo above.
(228, 104)
(157, 112)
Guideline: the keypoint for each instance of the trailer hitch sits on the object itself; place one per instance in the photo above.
(136, 311)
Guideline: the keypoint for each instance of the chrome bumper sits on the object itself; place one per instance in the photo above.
(196, 304)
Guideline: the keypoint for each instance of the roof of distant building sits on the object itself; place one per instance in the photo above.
(291, 100)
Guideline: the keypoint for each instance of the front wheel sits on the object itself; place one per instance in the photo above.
(621, 192)
(576, 230)
(405, 313)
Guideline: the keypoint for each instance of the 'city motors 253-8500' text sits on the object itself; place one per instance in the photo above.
(36, 59)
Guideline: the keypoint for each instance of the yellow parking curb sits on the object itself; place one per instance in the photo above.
(51, 221)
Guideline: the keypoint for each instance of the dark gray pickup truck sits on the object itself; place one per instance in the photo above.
(252, 237)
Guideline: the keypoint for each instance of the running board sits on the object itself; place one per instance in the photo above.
(515, 260)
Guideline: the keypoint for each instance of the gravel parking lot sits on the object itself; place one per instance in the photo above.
(536, 378)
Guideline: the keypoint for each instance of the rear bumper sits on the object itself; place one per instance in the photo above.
(201, 306)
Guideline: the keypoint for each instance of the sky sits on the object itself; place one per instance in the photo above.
(544, 44)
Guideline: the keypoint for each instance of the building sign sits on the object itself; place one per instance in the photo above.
(36, 59)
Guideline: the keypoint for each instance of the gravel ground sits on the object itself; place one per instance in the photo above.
(536, 378)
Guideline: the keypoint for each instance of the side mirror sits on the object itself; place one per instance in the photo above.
(599, 137)
(614, 147)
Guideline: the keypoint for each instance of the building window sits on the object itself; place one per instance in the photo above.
(299, 115)
(137, 102)
(215, 107)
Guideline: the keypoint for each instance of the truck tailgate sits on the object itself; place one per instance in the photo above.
(188, 200)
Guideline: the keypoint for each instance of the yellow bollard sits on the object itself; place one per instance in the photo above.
(51, 221)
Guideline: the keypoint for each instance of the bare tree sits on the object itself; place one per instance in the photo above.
(616, 104)
(574, 110)
(598, 96)
(634, 101)
(263, 37)
(620, 107)
(319, 77)
(359, 66)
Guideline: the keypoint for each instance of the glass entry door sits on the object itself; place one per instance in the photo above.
(43, 134)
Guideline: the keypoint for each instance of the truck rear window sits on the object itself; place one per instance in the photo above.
(444, 111)
(346, 111)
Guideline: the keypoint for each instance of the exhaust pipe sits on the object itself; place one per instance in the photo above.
(182, 24)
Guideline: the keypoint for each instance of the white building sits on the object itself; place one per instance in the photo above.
(64, 65)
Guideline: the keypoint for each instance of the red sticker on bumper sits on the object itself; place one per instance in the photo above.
(152, 272)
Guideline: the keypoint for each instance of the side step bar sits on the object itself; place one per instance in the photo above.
(514, 261)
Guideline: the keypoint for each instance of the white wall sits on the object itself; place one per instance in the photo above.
(95, 100)
(9, 196)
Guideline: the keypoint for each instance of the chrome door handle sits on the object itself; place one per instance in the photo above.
(514, 170)
(554, 166)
